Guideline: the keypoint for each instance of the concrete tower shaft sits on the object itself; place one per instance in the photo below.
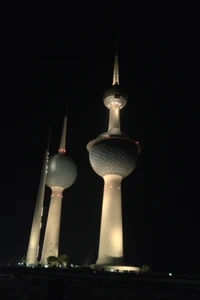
(62, 173)
(52, 233)
(111, 235)
(33, 246)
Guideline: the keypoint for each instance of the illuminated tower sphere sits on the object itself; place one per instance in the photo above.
(61, 175)
(113, 156)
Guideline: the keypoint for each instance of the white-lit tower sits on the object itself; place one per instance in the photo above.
(34, 240)
(61, 175)
(113, 156)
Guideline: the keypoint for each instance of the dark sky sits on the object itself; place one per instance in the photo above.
(65, 55)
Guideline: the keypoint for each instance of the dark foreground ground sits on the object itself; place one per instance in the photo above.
(84, 283)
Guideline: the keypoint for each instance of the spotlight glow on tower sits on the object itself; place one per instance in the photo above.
(113, 156)
(61, 175)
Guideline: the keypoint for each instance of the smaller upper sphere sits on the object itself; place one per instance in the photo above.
(62, 171)
(114, 96)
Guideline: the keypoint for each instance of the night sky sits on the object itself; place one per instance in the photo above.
(64, 55)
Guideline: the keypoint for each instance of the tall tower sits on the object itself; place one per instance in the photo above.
(33, 246)
(61, 175)
(113, 156)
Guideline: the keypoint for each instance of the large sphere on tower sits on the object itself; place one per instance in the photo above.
(113, 156)
(62, 171)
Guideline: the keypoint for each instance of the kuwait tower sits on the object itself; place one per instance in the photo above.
(113, 156)
(61, 175)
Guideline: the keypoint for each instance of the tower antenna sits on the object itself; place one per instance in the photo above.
(116, 64)
(62, 148)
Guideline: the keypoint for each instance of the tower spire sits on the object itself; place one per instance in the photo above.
(62, 148)
(116, 70)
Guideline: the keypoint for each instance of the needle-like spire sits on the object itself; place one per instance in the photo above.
(116, 64)
(62, 148)
(116, 71)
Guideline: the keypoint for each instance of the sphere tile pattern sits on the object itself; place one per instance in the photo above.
(113, 156)
(62, 171)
